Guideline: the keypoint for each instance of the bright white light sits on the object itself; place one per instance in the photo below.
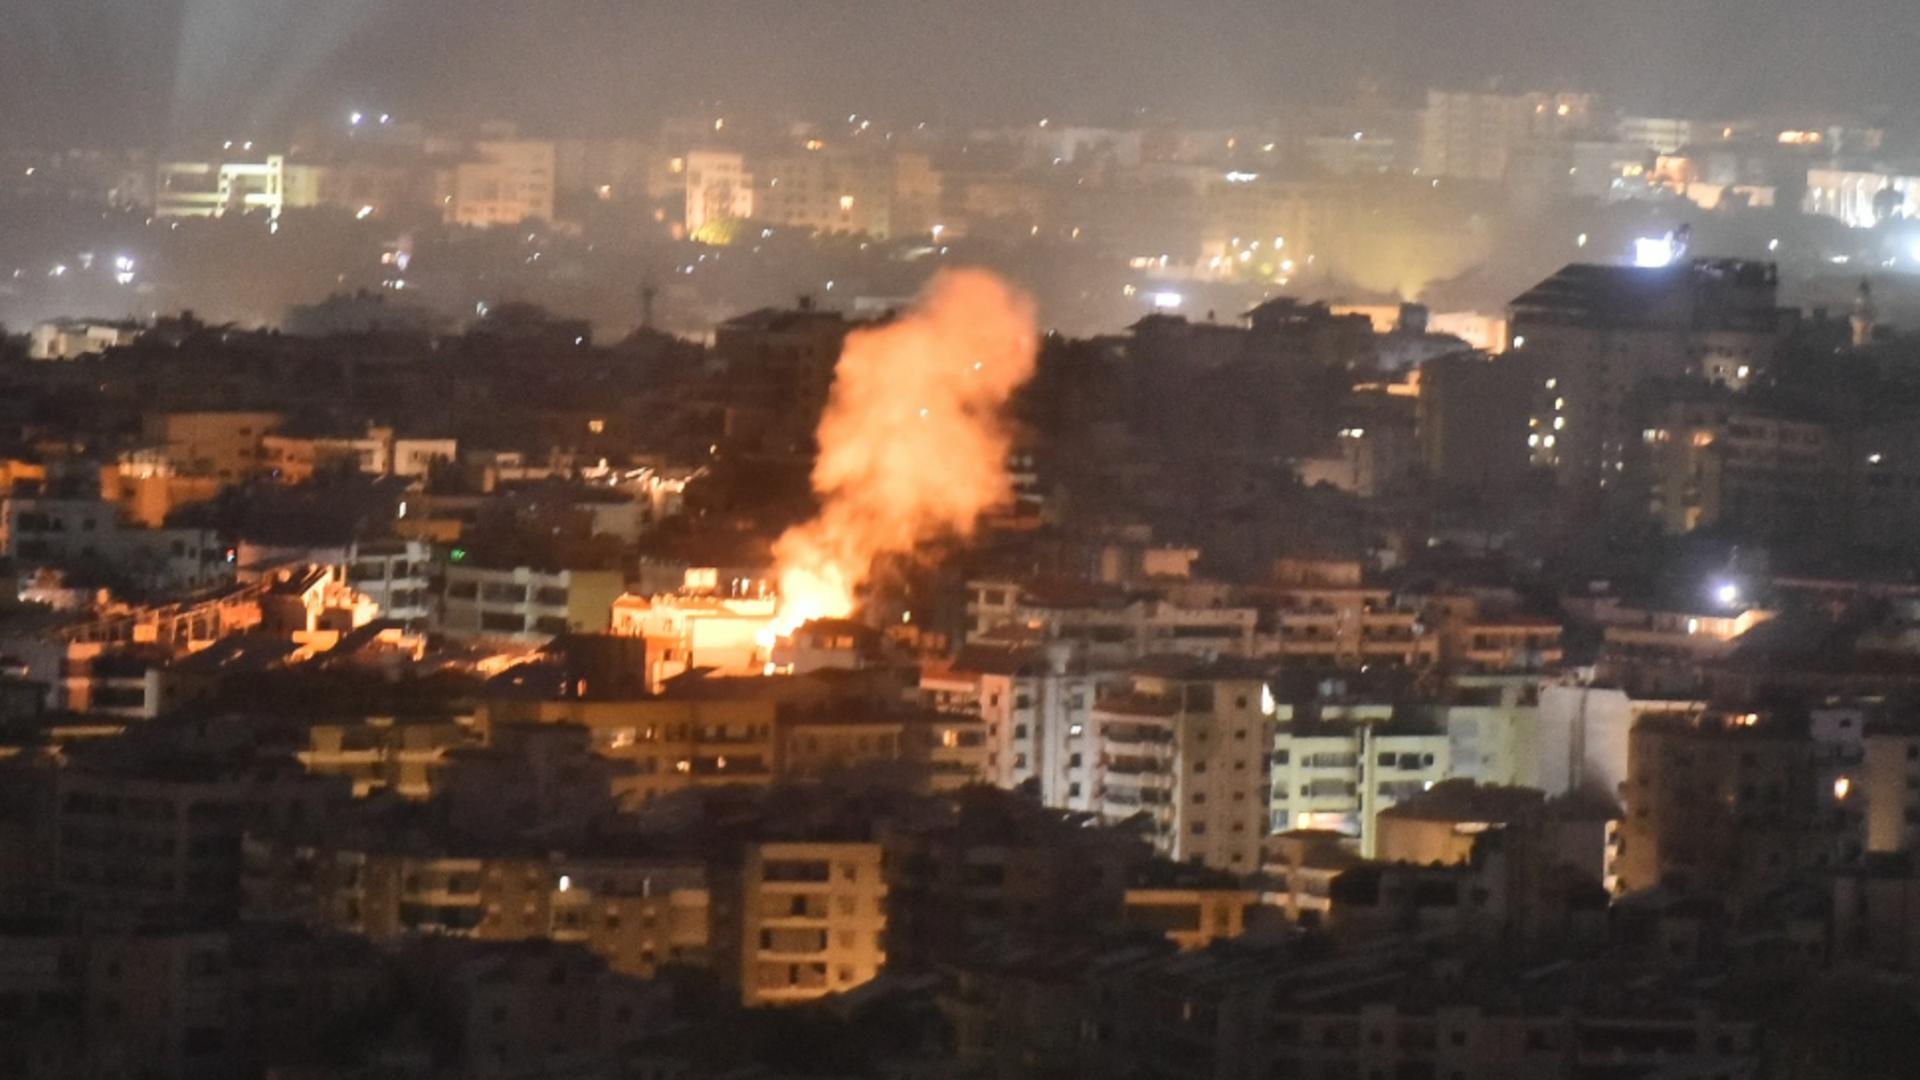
(1653, 252)
(1242, 177)
(1168, 300)
(123, 263)
(1774, 244)
(1580, 241)
(365, 213)
(386, 118)
(1519, 341)
(356, 119)
(1875, 458)
(1727, 594)
(566, 883)
(1842, 787)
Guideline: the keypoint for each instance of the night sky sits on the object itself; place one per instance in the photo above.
(146, 70)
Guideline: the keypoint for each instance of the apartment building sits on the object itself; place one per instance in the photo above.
(1183, 747)
(795, 922)
(525, 604)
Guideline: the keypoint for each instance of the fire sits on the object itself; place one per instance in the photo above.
(913, 443)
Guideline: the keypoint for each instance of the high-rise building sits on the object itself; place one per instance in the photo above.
(1185, 749)
(1595, 335)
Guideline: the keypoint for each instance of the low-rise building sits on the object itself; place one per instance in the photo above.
(525, 604)
(71, 339)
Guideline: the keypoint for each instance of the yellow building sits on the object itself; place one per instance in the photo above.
(503, 182)
(223, 445)
(795, 922)
(147, 492)
(636, 914)
(1191, 918)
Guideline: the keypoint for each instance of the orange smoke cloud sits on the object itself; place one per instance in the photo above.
(913, 443)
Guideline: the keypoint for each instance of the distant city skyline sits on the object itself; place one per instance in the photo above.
(98, 71)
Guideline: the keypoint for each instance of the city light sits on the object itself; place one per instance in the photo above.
(1654, 252)
(1167, 301)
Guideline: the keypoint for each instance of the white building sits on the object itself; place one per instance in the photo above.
(501, 183)
(1184, 749)
(1111, 626)
(211, 189)
(71, 339)
(395, 574)
(40, 531)
(719, 189)
(522, 604)
(1037, 704)
(1339, 771)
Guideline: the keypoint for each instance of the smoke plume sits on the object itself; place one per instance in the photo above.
(913, 443)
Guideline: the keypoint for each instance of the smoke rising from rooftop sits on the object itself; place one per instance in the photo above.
(914, 441)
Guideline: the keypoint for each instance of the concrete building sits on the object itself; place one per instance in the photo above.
(1722, 804)
(500, 183)
(294, 458)
(1191, 916)
(153, 838)
(720, 192)
(396, 575)
(71, 339)
(1474, 136)
(224, 445)
(1347, 627)
(1595, 334)
(384, 753)
(1036, 704)
(526, 604)
(796, 922)
(725, 635)
(1471, 421)
(1890, 787)
(1583, 731)
(1338, 770)
(1112, 626)
(1184, 750)
(1721, 464)
(211, 189)
(636, 914)
(822, 191)
(41, 531)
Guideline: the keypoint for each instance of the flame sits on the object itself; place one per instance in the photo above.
(913, 443)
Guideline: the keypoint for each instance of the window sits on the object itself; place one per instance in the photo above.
(1199, 828)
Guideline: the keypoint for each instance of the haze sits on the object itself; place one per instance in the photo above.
(112, 70)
